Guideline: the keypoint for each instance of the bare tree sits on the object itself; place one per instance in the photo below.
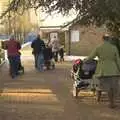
(97, 12)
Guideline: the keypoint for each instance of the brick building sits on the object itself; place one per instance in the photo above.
(81, 40)
(77, 39)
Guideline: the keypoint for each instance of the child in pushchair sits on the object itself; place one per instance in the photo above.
(75, 67)
(82, 73)
(48, 58)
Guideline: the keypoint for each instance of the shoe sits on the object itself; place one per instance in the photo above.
(13, 76)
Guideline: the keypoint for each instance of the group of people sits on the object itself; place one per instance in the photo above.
(108, 66)
(44, 52)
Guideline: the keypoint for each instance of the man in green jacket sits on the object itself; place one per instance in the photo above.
(108, 69)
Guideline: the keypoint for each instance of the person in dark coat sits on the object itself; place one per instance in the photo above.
(38, 46)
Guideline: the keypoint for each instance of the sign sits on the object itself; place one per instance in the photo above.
(75, 36)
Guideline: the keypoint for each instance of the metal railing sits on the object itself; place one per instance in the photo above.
(2, 57)
(2, 54)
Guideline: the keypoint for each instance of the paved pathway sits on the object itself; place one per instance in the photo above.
(47, 96)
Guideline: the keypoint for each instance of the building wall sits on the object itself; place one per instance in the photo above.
(89, 39)
(67, 42)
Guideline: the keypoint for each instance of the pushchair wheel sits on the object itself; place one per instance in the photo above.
(21, 71)
(75, 91)
(47, 66)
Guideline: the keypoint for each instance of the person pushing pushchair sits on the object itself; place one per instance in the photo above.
(12, 46)
(108, 69)
(38, 46)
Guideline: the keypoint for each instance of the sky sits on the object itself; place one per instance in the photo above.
(51, 20)
(56, 19)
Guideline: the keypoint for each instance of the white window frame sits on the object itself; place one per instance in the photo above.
(75, 35)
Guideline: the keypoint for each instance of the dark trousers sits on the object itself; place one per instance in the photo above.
(61, 58)
(14, 64)
(36, 59)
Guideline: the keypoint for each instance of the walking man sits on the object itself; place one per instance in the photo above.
(12, 46)
(38, 46)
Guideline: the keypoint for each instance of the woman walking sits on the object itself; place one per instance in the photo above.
(108, 69)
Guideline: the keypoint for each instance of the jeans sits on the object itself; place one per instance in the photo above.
(36, 59)
(40, 62)
(14, 62)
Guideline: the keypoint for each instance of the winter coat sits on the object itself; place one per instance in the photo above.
(38, 46)
(108, 60)
(13, 47)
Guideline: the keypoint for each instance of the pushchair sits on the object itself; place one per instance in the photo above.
(82, 73)
(75, 67)
(20, 66)
(48, 58)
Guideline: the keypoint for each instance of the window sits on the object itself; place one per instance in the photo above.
(75, 36)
